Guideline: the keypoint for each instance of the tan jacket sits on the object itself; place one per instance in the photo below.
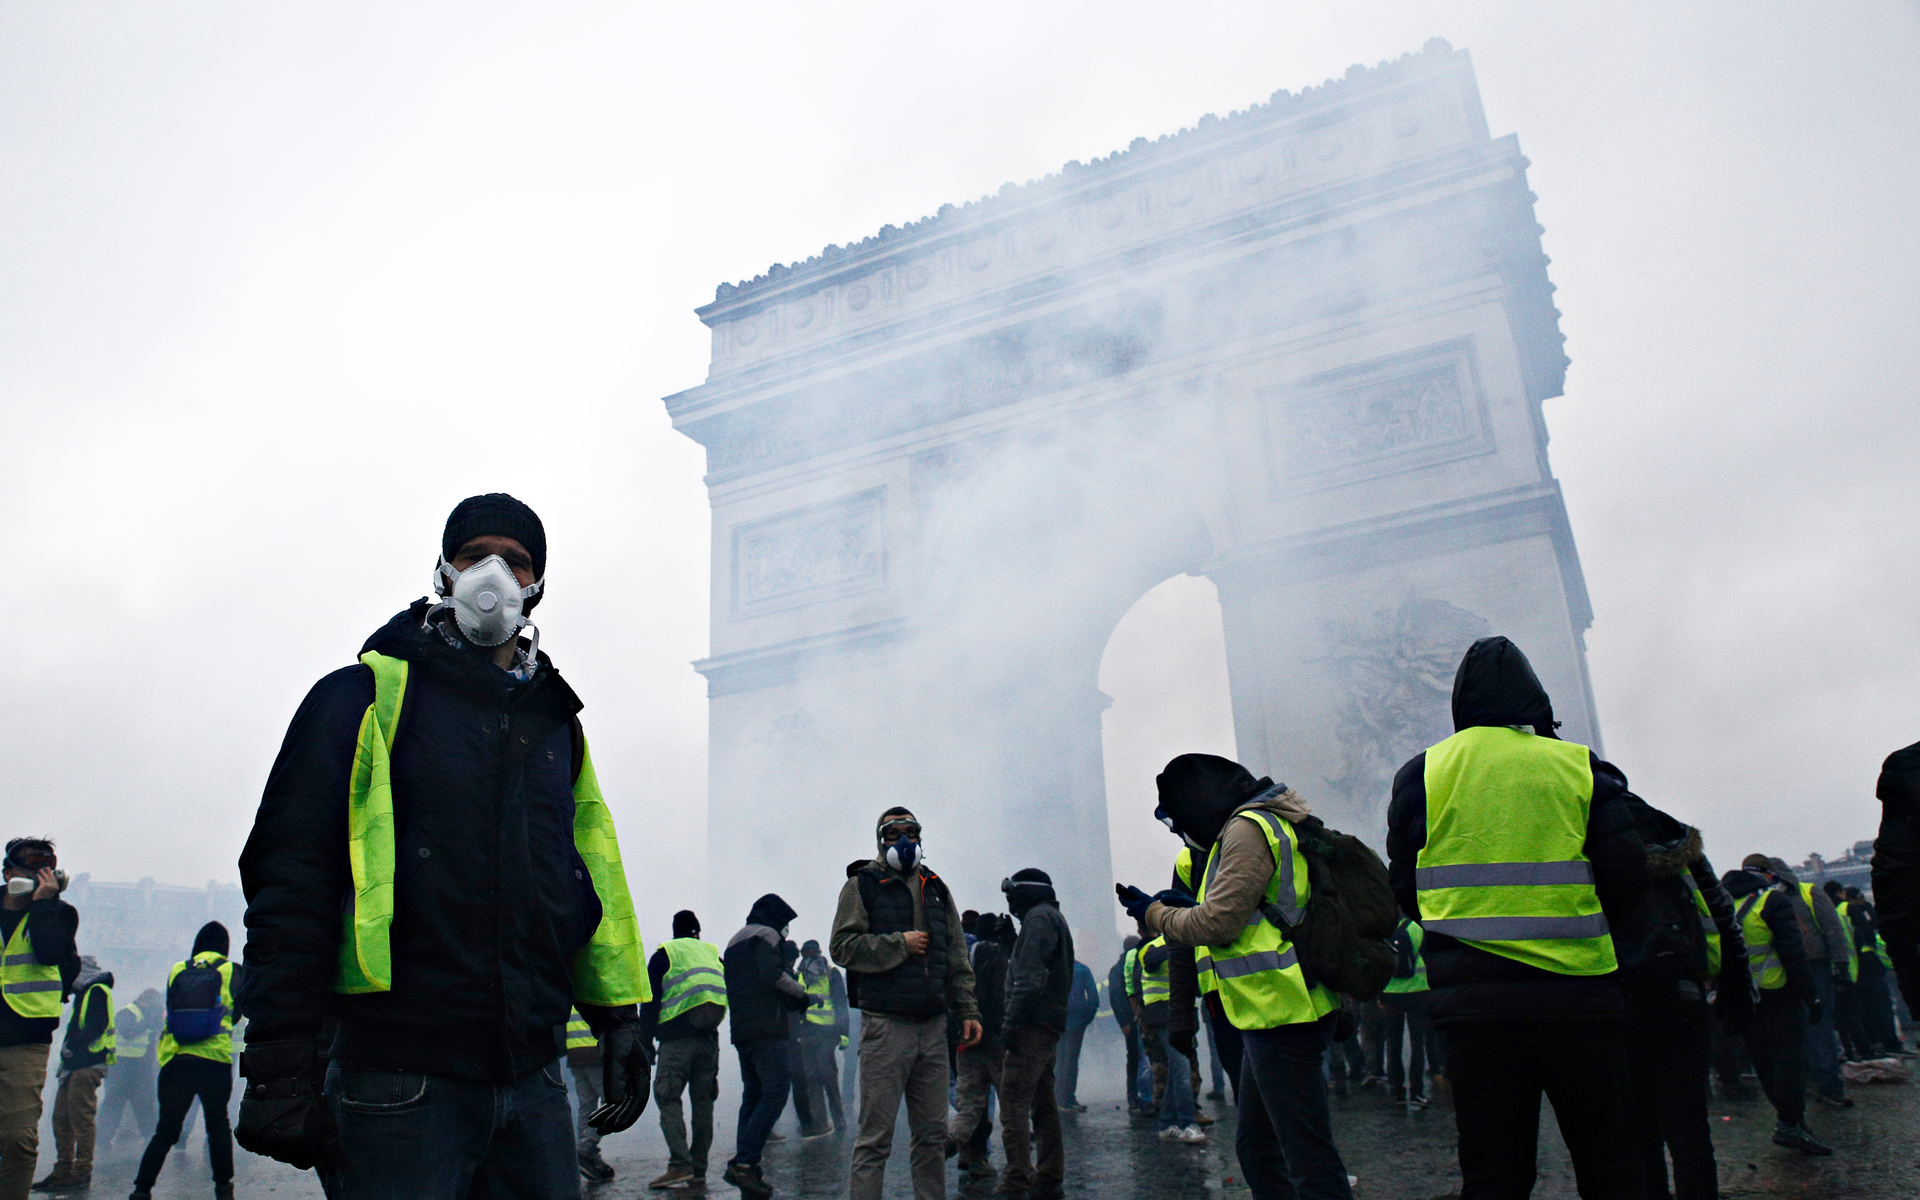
(857, 950)
(1238, 883)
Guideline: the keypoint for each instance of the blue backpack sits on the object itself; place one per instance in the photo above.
(194, 1010)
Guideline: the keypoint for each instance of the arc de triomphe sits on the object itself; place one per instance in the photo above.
(1301, 350)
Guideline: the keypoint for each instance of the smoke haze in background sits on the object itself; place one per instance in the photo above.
(278, 288)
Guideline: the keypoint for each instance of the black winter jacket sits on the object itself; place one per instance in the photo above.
(760, 993)
(1777, 910)
(1662, 941)
(1896, 867)
(1040, 971)
(989, 963)
(490, 898)
(1496, 686)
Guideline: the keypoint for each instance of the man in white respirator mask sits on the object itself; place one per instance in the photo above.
(433, 884)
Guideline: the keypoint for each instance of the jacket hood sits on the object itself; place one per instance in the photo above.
(90, 974)
(773, 912)
(813, 966)
(1743, 883)
(749, 931)
(1199, 792)
(1785, 872)
(1495, 685)
(1281, 800)
(212, 936)
(1671, 843)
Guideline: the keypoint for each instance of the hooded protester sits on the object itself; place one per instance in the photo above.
(977, 1074)
(896, 931)
(1039, 981)
(1516, 853)
(442, 786)
(1118, 1003)
(38, 967)
(761, 996)
(1680, 946)
(84, 1054)
(823, 1028)
(131, 1084)
(196, 1058)
(1824, 935)
(1789, 1001)
(1243, 830)
(1896, 868)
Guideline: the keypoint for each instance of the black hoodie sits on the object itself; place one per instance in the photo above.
(490, 898)
(1040, 969)
(1495, 685)
(1896, 867)
(760, 993)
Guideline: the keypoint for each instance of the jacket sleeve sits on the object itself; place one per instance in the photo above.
(837, 994)
(1238, 885)
(92, 1019)
(1720, 906)
(1183, 983)
(294, 869)
(1117, 995)
(650, 1010)
(853, 947)
(1777, 911)
(1832, 930)
(960, 982)
(1407, 832)
(51, 926)
(1619, 857)
(1038, 946)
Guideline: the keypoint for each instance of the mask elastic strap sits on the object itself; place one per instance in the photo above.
(444, 575)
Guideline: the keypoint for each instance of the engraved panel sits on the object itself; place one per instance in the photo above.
(811, 553)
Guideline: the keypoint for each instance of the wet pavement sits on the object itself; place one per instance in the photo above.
(1397, 1156)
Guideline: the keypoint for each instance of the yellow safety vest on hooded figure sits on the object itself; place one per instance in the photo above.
(1505, 867)
(1763, 961)
(695, 976)
(1706, 923)
(31, 988)
(132, 1038)
(1151, 986)
(1261, 983)
(1202, 957)
(608, 971)
(104, 1042)
(219, 1047)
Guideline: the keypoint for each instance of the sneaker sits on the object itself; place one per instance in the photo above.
(223, 1191)
(675, 1177)
(747, 1177)
(776, 1137)
(59, 1180)
(1417, 1101)
(1799, 1137)
(1373, 1081)
(593, 1168)
(812, 1135)
(1193, 1135)
(1833, 1101)
(1171, 1133)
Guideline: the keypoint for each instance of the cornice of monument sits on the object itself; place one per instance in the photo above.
(1014, 200)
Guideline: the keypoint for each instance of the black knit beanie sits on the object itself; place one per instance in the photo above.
(496, 514)
(685, 924)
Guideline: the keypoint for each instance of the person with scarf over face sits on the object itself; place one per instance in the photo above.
(1516, 853)
(824, 1027)
(761, 1000)
(1039, 979)
(897, 933)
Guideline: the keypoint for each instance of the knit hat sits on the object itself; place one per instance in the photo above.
(496, 514)
(1757, 862)
(212, 936)
(685, 924)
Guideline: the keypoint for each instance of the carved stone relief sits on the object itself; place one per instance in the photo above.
(810, 553)
(1383, 417)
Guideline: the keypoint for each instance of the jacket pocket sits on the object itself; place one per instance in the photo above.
(551, 1075)
(368, 1090)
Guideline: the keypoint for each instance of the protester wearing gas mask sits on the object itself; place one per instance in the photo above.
(897, 933)
(443, 787)
(40, 963)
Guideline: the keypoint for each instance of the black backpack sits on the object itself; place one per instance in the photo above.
(1663, 940)
(1405, 961)
(1345, 936)
(194, 1008)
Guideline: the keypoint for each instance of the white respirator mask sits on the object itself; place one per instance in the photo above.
(20, 887)
(488, 602)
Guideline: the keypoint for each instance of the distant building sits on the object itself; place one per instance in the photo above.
(1852, 869)
(138, 930)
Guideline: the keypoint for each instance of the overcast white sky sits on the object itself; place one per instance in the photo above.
(279, 284)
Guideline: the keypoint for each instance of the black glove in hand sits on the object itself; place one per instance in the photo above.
(1132, 899)
(626, 1079)
(282, 1113)
(1733, 999)
(1814, 1011)
(1175, 898)
(1183, 1042)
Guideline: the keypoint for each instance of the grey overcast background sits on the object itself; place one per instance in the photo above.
(279, 284)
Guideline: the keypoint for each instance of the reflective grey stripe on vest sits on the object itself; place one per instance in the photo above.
(672, 981)
(712, 989)
(36, 985)
(1520, 929)
(28, 959)
(1502, 875)
(1288, 905)
(1252, 964)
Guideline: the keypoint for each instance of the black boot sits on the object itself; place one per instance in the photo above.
(1799, 1137)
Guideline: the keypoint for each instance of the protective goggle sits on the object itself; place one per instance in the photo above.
(1160, 815)
(899, 828)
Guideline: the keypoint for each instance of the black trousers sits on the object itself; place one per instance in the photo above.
(1669, 1047)
(1226, 1041)
(1500, 1070)
(183, 1079)
(1777, 1043)
(1133, 1066)
(1408, 1011)
(1285, 1139)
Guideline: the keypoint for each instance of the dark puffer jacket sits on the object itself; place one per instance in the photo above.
(1896, 867)
(490, 898)
(1495, 686)
(1040, 970)
(761, 996)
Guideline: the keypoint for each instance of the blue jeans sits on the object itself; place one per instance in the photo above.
(1176, 1107)
(765, 1082)
(1285, 1140)
(406, 1136)
(1823, 1043)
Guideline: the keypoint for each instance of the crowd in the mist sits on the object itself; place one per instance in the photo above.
(440, 936)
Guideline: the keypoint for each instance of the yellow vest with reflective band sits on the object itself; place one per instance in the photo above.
(695, 976)
(1129, 961)
(102, 995)
(1416, 982)
(1261, 983)
(1853, 951)
(1504, 868)
(31, 987)
(608, 971)
(137, 1040)
(1202, 957)
(1706, 924)
(1151, 986)
(579, 1033)
(821, 1012)
(219, 1047)
(1762, 960)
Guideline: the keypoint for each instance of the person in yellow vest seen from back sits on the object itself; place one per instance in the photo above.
(196, 1059)
(433, 886)
(131, 1080)
(1513, 849)
(85, 1053)
(689, 1002)
(38, 963)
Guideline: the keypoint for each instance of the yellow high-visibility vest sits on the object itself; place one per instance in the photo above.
(31, 987)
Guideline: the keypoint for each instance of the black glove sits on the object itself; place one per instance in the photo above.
(1841, 980)
(282, 1113)
(1175, 898)
(1132, 899)
(626, 1079)
(1183, 1042)
(1814, 1011)
(1733, 999)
